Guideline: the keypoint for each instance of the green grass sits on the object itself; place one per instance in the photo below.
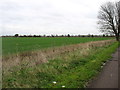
(73, 72)
(13, 45)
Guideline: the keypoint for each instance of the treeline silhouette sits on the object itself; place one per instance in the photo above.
(68, 35)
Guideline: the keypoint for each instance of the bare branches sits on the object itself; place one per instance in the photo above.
(109, 18)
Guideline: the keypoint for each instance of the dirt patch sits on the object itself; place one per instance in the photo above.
(42, 56)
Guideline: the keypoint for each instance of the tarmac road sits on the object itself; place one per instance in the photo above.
(108, 77)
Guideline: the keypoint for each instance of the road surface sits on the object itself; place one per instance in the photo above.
(108, 77)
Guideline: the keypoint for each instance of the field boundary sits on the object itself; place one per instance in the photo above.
(42, 56)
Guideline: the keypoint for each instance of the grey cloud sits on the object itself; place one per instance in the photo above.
(46, 17)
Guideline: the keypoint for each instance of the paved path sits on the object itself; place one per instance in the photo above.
(108, 77)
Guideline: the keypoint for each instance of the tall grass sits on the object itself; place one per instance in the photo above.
(70, 70)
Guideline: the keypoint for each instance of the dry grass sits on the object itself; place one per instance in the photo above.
(42, 56)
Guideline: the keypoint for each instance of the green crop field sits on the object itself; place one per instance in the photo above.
(14, 45)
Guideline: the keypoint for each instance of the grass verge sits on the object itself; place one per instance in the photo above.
(71, 70)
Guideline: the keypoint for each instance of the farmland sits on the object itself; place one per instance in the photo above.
(54, 62)
(15, 45)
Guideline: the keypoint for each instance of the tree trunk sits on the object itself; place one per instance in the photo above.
(117, 37)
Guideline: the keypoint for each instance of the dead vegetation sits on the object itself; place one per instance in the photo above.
(42, 56)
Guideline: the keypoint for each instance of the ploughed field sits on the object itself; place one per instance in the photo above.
(11, 45)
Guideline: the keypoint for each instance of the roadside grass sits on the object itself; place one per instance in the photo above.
(70, 70)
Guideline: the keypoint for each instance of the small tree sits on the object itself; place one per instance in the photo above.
(16, 35)
(109, 18)
(68, 35)
(103, 35)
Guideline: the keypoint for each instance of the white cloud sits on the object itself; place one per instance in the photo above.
(49, 16)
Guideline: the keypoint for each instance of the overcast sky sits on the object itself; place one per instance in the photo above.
(49, 16)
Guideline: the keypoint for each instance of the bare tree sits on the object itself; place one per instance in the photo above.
(109, 18)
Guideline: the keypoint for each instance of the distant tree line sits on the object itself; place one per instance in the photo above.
(68, 35)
